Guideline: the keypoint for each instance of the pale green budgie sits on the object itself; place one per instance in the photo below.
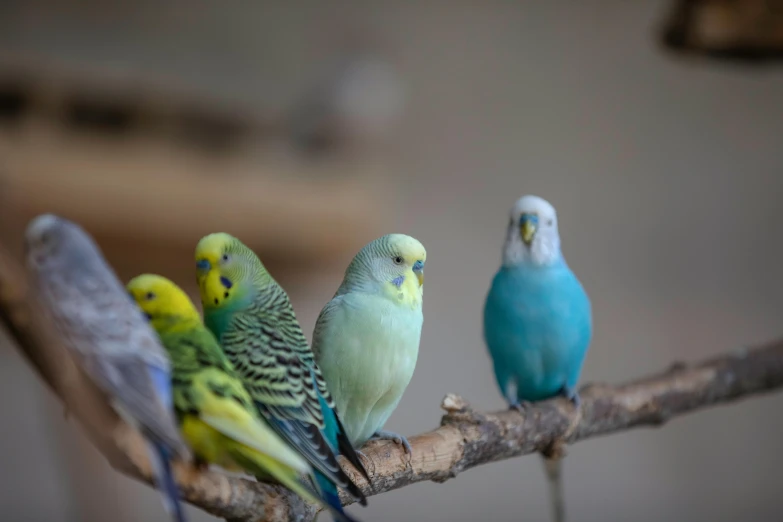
(366, 340)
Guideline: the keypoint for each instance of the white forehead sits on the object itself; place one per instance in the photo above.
(533, 204)
(40, 225)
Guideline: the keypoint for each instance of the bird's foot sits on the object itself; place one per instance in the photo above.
(394, 437)
(365, 459)
(521, 406)
(572, 395)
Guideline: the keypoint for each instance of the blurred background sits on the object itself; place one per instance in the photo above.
(307, 129)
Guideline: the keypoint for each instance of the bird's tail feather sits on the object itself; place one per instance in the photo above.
(554, 467)
(349, 452)
(164, 480)
(331, 498)
(267, 468)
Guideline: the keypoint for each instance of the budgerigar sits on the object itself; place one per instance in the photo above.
(253, 319)
(366, 339)
(537, 318)
(109, 338)
(217, 417)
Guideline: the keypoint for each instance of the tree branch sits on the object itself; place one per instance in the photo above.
(465, 439)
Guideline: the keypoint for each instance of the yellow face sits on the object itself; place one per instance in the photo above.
(405, 275)
(160, 299)
(214, 259)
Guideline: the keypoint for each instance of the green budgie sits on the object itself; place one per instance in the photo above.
(366, 339)
(217, 417)
(109, 338)
(252, 317)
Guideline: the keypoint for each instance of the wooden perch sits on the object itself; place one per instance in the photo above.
(465, 439)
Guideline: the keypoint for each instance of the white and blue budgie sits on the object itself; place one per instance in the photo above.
(537, 318)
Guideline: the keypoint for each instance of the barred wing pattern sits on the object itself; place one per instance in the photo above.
(268, 349)
(193, 353)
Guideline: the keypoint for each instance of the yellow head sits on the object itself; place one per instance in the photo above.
(394, 261)
(226, 270)
(165, 304)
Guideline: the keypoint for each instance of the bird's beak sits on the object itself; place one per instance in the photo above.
(418, 269)
(528, 227)
(202, 265)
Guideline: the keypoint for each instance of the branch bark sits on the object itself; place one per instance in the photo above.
(465, 439)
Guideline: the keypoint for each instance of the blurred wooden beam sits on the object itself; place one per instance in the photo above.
(140, 161)
(121, 102)
(173, 199)
(743, 30)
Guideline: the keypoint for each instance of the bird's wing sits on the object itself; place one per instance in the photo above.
(285, 389)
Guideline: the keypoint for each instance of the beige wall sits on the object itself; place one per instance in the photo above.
(667, 175)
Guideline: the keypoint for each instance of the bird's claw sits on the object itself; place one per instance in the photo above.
(394, 437)
(521, 406)
(573, 396)
(365, 459)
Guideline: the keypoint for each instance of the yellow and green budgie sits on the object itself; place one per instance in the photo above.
(217, 417)
(366, 339)
(252, 317)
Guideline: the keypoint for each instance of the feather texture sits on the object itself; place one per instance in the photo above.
(259, 332)
(217, 414)
(108, 337)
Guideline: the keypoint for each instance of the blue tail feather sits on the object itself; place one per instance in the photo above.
(167, 486)
(332, 499)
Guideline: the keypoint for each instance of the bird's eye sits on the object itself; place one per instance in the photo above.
(224, 258)
(549, 222)
(398, 260)
(150, 296)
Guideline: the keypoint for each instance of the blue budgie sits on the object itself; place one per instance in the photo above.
(537, 318)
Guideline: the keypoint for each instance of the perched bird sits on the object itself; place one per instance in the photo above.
(253, 319)
(537, 318)
(108, 337)
(217, 417)
(366, 340)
